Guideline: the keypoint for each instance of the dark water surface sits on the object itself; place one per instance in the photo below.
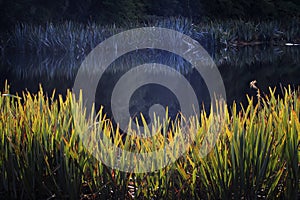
(269, 65)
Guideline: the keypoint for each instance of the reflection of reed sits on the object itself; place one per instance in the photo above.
(248, 55)
(31, 66)
(66, 65)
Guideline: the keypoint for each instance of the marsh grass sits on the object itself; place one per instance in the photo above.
(255, 157)
(242, 32)
(82, 38)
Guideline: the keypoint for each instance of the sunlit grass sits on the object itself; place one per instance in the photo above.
(42, 156)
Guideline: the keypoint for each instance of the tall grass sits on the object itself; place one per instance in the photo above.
(241, 32)
(255, 157)
(82, 38)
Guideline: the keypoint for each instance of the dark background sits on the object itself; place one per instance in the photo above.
(124, 11)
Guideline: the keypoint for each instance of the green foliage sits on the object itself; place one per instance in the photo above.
(256, 155)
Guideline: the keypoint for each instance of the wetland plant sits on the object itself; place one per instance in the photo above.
(255, 157)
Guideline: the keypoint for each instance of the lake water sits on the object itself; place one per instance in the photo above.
(268, 65)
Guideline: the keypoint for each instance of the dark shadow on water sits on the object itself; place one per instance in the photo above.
(150, 94)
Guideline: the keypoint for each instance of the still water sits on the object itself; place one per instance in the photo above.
(273, 66)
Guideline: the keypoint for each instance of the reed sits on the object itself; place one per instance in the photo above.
(255, 157)
(82, 38)
(242, 32)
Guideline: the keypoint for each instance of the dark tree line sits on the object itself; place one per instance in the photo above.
(117, 11)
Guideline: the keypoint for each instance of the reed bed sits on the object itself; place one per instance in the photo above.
(82, 38)
(242, 32)
(255, 157)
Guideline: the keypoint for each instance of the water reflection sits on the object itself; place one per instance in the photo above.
(270, 66)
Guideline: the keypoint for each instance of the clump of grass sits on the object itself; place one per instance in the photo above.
(82, 38)
(42, 156)
(72, 37)
(241, 32)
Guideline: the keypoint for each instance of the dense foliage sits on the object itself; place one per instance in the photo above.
(255, 157)
(111, 11)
